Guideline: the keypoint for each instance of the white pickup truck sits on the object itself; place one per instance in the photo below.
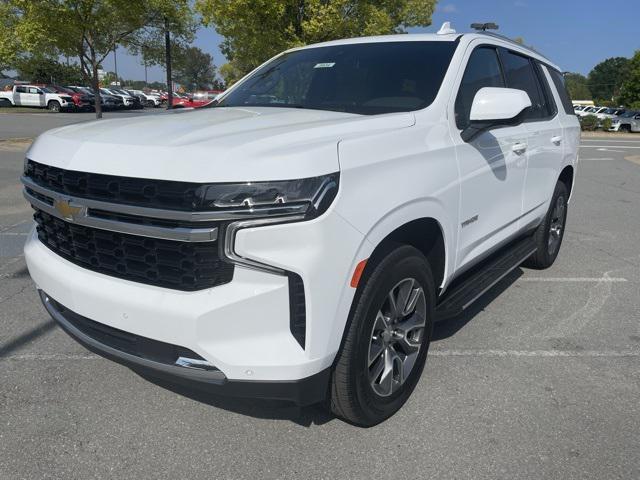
(33, 96)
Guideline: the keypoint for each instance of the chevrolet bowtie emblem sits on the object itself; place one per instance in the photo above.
(66, 210)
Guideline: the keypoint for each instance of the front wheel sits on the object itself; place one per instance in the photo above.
(54, 106)
(387, 339)
(549, 234)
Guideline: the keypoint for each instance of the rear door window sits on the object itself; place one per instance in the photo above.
(520, 74)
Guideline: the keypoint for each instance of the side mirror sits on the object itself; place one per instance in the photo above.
(495, 107)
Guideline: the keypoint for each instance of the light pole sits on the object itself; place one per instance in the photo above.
(115, 63)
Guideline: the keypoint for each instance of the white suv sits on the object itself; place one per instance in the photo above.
(298, 239)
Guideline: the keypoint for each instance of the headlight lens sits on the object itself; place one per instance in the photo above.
(308, 196)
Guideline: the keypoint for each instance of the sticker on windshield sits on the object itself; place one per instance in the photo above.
(324, 65)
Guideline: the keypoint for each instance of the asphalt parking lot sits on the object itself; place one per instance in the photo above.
(541, 379)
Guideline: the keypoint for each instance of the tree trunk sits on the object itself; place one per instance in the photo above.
(167, 51)
(95, 84)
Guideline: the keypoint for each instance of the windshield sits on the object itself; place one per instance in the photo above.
(364, 78)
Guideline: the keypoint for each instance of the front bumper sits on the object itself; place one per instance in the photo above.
(242, 327)
(306, 391)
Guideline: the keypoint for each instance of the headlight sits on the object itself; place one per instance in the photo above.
(255, 204)
(309, 197)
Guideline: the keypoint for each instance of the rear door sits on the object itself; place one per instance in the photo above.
(544, 134)
(491, 166)
(33, 98)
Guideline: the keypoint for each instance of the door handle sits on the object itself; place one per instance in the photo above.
(556, 140)
(519, 148)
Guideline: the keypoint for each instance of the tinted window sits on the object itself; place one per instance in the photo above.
(519, 73)
(549, 103)
(366, 78)
(21, 90)
(483, 70)
(558, 81)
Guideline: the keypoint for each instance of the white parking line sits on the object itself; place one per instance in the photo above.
(574, 279)
(617, 140)
(607, 146)
(597, 159)
(433, 352)
(534, 353)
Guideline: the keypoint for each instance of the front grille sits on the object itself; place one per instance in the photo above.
(132, 191)
(126, 342)
(185, 266)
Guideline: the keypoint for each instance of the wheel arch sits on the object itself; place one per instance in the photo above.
(425, 234)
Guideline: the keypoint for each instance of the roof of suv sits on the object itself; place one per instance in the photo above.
(435, 37)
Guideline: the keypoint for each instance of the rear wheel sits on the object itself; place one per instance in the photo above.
(54, 106)
(550, 233)
(387, 339)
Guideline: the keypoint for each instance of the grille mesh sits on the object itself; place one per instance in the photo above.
(133, 191)
(166, 263)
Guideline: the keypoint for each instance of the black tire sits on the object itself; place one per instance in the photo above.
(625, 128)
(353, 394)
(548, 249)
(54, 106)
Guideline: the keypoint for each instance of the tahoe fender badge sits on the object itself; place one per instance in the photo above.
(469, 221)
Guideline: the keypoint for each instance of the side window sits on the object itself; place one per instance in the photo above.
(483, 70)
(33, 90)
(519, 73)
(550, 104)
(561, 88)
(21, 90)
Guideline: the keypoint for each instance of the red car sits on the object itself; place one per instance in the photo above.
(81, 101)
(198, 99)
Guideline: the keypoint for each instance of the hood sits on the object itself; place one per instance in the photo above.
(211, 145)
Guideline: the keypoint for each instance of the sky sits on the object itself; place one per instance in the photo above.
(575, 34)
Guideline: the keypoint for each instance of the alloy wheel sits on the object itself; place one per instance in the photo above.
(396, 337)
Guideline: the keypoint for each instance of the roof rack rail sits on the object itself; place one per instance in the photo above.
(483, 27)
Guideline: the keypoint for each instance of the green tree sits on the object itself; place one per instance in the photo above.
(9, 46)
(577, 86)
(40, 68)
(630, 89)
(255, 30)
(172, 26)
(606, 78)
(90, 29)
(194, 69)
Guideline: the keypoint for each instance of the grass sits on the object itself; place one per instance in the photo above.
(4, 109)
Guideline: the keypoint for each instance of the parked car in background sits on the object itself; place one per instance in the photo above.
(147, 99)
(181, 100)
(590, 111)
(134, 101)
(129, 101)
(82, 101)
(40, 97)
(610, 113)
(629, 121)
(108, 102)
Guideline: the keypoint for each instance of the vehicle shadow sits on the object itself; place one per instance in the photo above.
(257, 408)
(447, 328)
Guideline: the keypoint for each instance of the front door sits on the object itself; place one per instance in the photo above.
(492, 166)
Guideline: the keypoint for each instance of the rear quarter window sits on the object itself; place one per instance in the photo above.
(558, 82)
